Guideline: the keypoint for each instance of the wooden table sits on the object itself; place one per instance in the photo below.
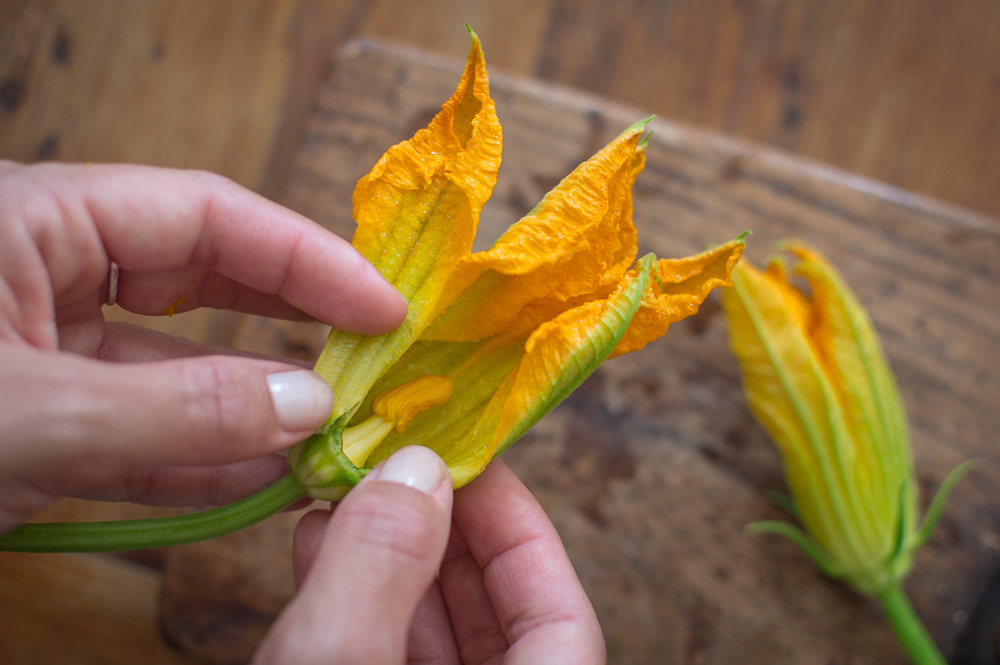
(653, 467)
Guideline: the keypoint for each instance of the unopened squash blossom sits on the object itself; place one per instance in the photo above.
(492, 340)
(816, 378)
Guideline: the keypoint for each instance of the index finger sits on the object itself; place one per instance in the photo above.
(166, 220)
(540, 605)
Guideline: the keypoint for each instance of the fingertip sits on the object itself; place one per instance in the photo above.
(365, 568)
(384, 309)
(302, 399)
(418, 467)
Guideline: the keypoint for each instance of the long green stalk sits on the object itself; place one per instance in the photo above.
(157, 531)
(911, 633)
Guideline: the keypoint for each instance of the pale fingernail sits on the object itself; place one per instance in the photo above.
(302, 399)
(414, 466)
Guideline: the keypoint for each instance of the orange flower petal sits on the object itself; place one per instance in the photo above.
(575, 246)
(680, 288)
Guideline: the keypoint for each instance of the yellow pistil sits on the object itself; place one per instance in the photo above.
(394, 409)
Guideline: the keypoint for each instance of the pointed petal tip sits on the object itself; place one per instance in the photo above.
(476, 44)
(639, 126)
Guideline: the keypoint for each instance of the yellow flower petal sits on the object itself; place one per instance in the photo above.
(575, 246)
(558, 356)
(852, 358)
(417, 212)
(792, 397)
(680, 288)
(502, 388)
(477, 369)
(418, 209)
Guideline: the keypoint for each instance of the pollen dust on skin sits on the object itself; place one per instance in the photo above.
(172, 309)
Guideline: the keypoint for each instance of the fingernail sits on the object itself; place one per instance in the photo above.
(302, 399)
(416, 467)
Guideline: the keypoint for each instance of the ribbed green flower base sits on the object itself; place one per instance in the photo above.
(155, 532)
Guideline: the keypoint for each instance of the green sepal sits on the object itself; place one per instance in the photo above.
(903, 520)
(900, 558)
(784, 502)
(937, 505)
(802, 539)
(320, 465)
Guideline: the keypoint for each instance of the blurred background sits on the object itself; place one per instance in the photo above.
(906, 92)
(902, 91)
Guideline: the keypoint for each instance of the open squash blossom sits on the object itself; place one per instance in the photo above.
(492, 340)
(816, 378)
(508, 332)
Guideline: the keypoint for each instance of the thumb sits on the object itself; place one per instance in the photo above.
(380, 552)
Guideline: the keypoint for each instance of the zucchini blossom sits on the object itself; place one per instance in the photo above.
(508, 332)
(817, 380)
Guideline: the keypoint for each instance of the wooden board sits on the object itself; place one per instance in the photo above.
(653, 467)
(80, 609)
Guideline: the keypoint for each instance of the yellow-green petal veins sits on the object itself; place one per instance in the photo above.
(817, 380)
(417, 213)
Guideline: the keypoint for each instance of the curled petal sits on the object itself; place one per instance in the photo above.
(418, 209)
(681, 285)
(573, 247)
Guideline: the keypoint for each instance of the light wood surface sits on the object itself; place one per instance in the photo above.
(653, 467)
(80, 609)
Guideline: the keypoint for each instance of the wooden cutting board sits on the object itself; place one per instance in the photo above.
(653, 467)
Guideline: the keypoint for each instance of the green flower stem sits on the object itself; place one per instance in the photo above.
(157, 531)
(911, 633)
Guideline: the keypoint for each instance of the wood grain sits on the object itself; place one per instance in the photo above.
(902, 91)
(81, 610)
(221, 600)
(651, 469)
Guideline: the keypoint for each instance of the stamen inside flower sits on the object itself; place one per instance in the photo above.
(394, 409)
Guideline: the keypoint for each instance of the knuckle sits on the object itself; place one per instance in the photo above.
(218, 402)
(139, 487)
(212, 180)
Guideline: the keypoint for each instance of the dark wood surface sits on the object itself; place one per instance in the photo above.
(653, 467)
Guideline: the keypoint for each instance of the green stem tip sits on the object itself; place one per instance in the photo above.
(157, 531)
(911, 633)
